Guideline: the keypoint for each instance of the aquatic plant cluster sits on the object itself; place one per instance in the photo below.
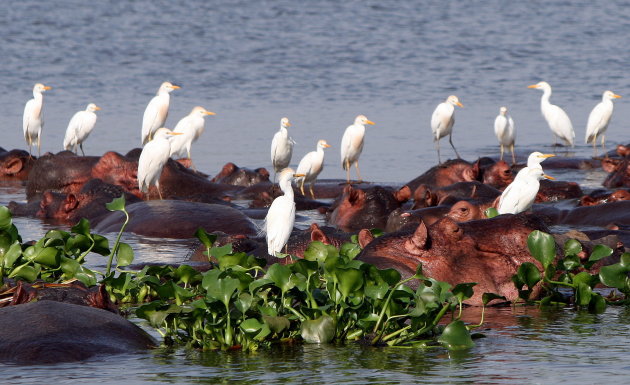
(326, 297)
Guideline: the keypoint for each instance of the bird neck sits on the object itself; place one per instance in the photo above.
(545, 97)
(287, 189)
(38, 95)
(284, 130)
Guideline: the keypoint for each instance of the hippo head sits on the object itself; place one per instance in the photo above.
(118, 170)
(444, 174)
(366, 208)
(487, 251)
(238, 176)
(619, 172)
(57, 206)
(464, 211)
(15, 164)
(498, 175)
(423, 197)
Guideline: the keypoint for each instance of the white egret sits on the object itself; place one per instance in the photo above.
(556, 118)
(536, 158)
(311, 165)
(153, 157)
(505, 131)
(281, 147)
(352, 145)
(32, 120)
(442, 122)
(599, 118)
(521, 193)
(79, 128)
(281, 215)
(156, 112)
(191, 127)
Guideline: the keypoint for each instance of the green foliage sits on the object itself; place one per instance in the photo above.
(570, 272)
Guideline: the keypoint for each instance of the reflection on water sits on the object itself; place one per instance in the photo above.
(521, 346)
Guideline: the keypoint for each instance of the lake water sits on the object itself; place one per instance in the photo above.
(321, 63)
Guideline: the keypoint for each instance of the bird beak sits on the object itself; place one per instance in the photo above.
(616, 96)
(175, 133)
(298, 175)
(288, 124)
(533, 86)
(548, 177)
(175, 87)
(210, 113)
(544, 156)
(459, 104)
(326, 145)
(370, 122)
(97, 108)
(47, 87)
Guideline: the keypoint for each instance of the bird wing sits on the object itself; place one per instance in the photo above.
(279, 223)
(597, 120)
(152, 159)
(306, 164)
(508, 201)
(441, 121)
(32, 113)
(154, 117)
(274, 148)
(561, 124)
(71, 132)
(346, 141)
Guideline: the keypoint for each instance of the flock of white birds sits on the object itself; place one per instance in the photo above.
(160, 144)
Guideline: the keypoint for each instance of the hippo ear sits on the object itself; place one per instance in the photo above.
(354, 195)
(318, 235)
(13, 166)
(495, 203)
(623, 151)
(263, 172)
(228, 168)
(70, 203)
(470, 174)
(418, 240)
(403, 194)
(365, 237)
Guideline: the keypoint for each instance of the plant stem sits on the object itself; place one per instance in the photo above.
(115, 248)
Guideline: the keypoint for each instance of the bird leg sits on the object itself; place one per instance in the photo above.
(191, 162)
(30, 145)
(39, 146)
(348, 171)
(437, 146)
(603, 143)
(157, 185)
(513, 157)
(302, 186)
(501, 158)
(450, 140)
(356, 164)
(312, 192)
(81, 146)
(595, 145)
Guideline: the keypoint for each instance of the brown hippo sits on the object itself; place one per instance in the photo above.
(447, 173)
(598, 197)
(238, 176)
(425, 197)
(553, 190)
(496, 174)
(402, 219)
(487, 251)
(44, 331)
(15, 164)
(177, 219)
(603, 215)
(67, 173)
(619, 172)
(366, 206)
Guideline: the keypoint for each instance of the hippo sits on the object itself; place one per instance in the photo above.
(401, 219)
(425, 197)
(177, 219)
(237, 176)
(551, 191)
(495, 174)
(598, 197)
(603, 215)
(66, 173)
(15, 164)
(366, 206)
(619, 172)
(487, 251)
(44, 332)
(447, 173)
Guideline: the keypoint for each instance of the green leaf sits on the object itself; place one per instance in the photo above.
(572, 247)
(491, 212)
(583, 294)
(350, 250)
(456, 336)
(463, 291)
(614, 276)
(571, 262)
(350, 281)
(48, 256)
(280, 275)
(316, 251)
(14, 252)
(277, 324)
(187, 274)
(487, 297)
(124, 255)
(318, 331)
(585, 278)
(542, 247)
(223, 290)
(205, 238)
(597, 304)
(219, 252)
(391, 276)
(82, 227)
(26, 272)
(5, 218)
(118, 204)
(529, 274)
(599, 252)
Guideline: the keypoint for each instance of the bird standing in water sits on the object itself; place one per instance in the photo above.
(599, 119)
(505, 131)
(352, 145)
(556, 118)
(311, 165)
(442, 122)
(79, 128)
(32, 120)
(281, 215)
(157, 111)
